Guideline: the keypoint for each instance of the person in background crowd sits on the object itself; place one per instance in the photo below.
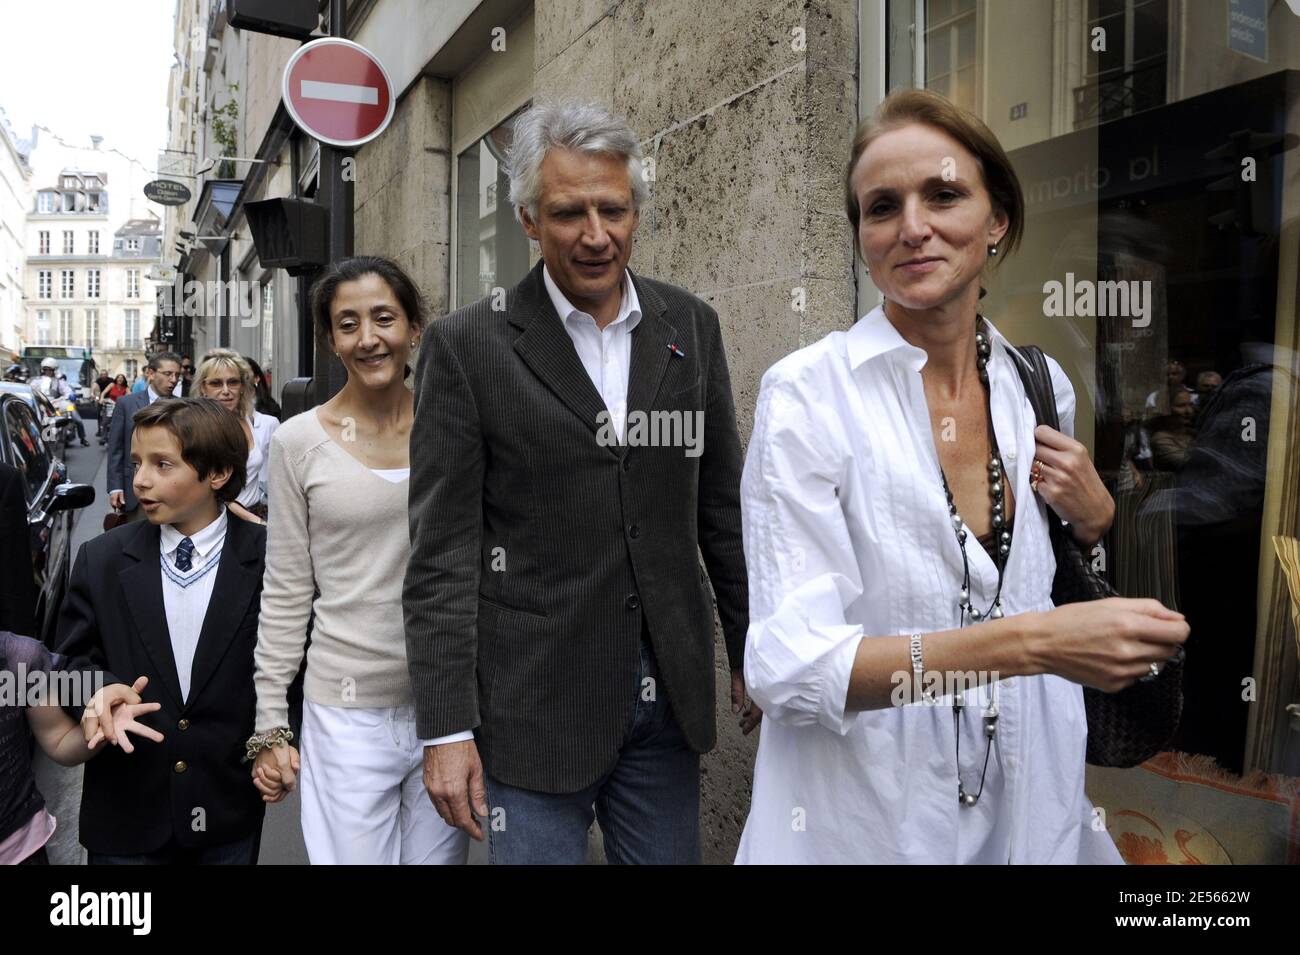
(1171, 434)
(174, 599)
(25, 824)
(225, 376)
(161, 371)
(140, 384)
(1159, 401)
(61, 394)
(183, 386)
(337, 548)
(18, 591)
(1207, 383)
(265, 403)
(97, 390)
(108, 400)
(117, 390)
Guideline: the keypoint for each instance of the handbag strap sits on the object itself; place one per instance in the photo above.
(1038, 385)
(1037, 380)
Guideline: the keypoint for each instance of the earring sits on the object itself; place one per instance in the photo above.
(993, 250)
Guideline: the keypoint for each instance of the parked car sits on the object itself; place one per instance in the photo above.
(52, 502)
(55, 422)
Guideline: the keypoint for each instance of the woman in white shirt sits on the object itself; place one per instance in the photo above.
(226, 377)
(336, 552)
(880, 458)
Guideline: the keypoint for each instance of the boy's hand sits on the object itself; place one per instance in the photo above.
(125, 721)
(98, 716)
(275, 772)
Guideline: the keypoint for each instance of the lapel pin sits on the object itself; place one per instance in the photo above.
(677, 351)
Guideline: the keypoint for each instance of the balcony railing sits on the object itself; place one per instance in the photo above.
(1120, 95)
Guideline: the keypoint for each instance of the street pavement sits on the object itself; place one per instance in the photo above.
(61, 785)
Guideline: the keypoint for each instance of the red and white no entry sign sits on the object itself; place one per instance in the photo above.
(337, 92)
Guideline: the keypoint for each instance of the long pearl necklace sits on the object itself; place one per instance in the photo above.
(997, 476)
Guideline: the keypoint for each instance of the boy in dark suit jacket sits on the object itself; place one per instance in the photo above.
(175, 599)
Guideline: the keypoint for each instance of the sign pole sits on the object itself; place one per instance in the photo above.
(337, 196)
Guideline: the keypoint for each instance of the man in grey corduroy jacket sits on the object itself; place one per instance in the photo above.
(574, 452)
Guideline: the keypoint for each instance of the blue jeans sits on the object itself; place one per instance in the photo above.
(240, 852)
(648, 804)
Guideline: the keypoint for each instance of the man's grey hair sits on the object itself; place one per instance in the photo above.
(569, 124)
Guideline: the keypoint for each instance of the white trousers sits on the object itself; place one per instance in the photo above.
(362, 790)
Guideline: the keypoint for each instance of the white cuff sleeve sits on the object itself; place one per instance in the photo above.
(461, 737)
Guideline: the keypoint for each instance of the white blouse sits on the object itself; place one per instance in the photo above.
(847, 534)
(254, 491)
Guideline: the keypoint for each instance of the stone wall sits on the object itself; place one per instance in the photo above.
(749, 123)
(402, 190)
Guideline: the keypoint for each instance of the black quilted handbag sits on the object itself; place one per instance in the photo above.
(1131, 726)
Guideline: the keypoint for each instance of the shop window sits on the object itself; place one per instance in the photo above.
(491, 248)
(1184, 388)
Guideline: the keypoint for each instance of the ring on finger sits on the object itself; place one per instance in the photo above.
(1035, 474)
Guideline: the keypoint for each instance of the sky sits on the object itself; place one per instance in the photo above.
(83, 67)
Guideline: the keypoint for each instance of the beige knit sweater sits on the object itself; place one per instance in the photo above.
(337, 527)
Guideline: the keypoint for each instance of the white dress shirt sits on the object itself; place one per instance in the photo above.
(606, 352)
(186, 594)
(847, 535)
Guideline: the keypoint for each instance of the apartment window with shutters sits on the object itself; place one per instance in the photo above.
(92, 327)
(65, 326)
(92, 241)
(45, 283)
(92, 283)
(43, 327)
(67, 284)
(43, 242)
(132, 283)
(45, 202)
(133, 245)
(67, 242)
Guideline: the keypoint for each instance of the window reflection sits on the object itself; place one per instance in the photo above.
(491, 248)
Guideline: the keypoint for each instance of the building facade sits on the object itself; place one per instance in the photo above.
(15, 203)
(87, 284)
(1153, 139)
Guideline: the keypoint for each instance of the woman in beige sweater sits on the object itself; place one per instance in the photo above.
(337, 545)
